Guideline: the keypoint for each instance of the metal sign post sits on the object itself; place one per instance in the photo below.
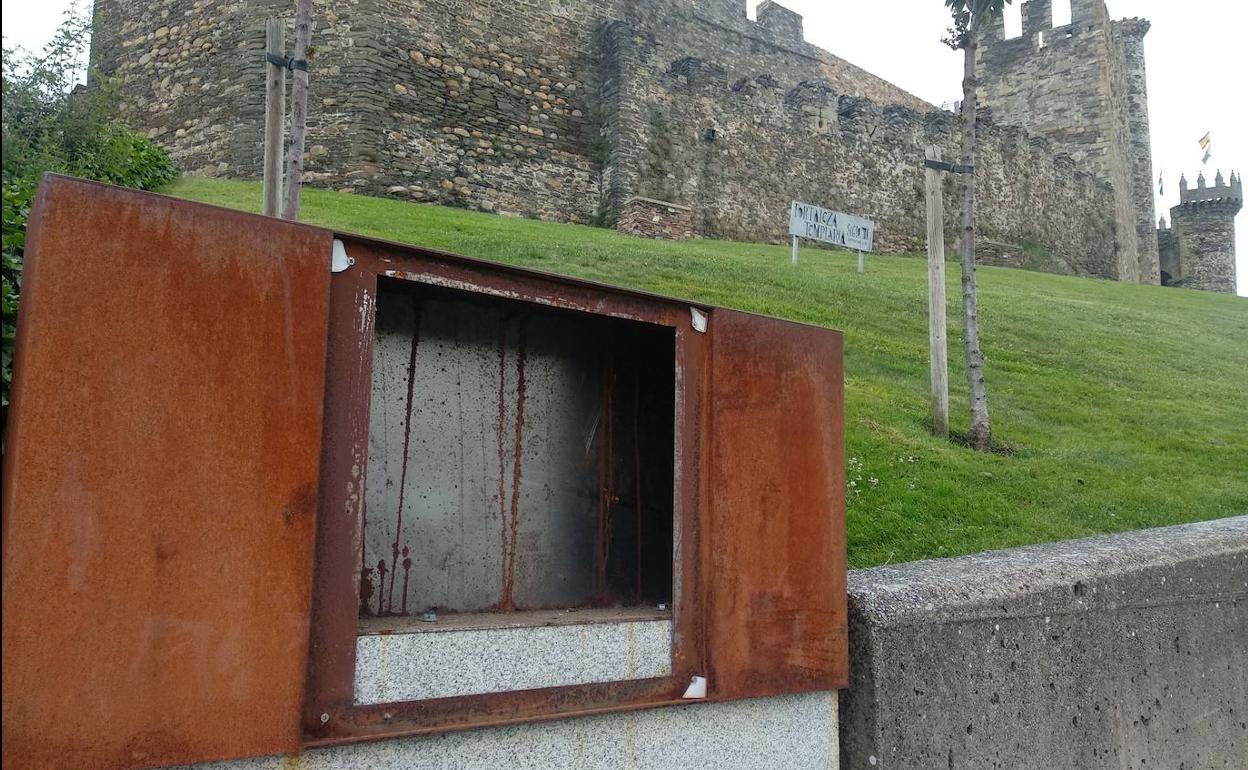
(820, 224)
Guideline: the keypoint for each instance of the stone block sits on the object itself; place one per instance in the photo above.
(651, 218)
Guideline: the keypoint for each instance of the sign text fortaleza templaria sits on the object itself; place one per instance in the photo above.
(819, 224)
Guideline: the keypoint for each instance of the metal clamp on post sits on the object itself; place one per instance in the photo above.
(285, 62)
(953, 168)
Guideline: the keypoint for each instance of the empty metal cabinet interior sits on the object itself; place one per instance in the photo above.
(518, 499)
(307, 488)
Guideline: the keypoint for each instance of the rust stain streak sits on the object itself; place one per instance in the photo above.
(502, 457)
(606, 478)
(366, 591)
(407, 569)
(637, 475)
(381, 582)
(509, 555)
(407, 441)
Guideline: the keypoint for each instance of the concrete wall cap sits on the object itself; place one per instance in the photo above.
(1047, 577)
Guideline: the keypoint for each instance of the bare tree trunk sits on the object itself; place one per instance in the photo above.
(980, 435)
(274, 117)
(298, 110)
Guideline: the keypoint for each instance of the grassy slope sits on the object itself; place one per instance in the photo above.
(1127, 406)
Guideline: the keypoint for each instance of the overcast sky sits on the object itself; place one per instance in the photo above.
(1195, 53)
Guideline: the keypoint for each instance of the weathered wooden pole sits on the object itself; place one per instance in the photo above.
(298, 107)
(794, 249)
(274, 114)
(936, 326)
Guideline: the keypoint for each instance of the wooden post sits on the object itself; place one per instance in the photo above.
(274, 116)
(795, 250)
(936, 298)
(298, 108)
(862, 263)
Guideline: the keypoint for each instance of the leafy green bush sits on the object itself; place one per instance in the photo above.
(51, 124)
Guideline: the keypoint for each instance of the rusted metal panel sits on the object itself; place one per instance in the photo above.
(775, 523)
(331, 715)
(160, 486)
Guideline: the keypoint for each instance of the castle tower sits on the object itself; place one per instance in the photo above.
(1082, 86)
(1131, 33)
(1198, 249)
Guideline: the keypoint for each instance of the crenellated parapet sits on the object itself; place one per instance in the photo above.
(1134, 27)
(1198, 248)
(1231, 193)
(1083, 86)
(780, 21)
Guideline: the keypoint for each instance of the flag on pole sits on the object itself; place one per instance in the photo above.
(1208, 155)
(1161, 183)
(1204, 141)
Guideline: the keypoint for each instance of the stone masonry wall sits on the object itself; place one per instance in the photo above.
(1131, 34)
(738, 151)
(1204, 234)
(649, 218)
(192, 78)
(490, 104)
(1198, 249)
(1168, 250)
(565, 109)
(1081, 86)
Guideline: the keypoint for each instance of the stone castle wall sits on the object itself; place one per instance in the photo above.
(1131, 33)
(191, 77)
(738, 151)
(565, 109)
(492, 104)
(1082, 86)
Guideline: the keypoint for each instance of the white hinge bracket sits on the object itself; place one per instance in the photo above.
(699, 320)
(339, 260)
(696, 689)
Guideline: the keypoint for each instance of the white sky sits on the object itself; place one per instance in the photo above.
(1194, 52)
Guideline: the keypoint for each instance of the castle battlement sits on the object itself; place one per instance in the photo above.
(1086, 17)
(1083, 86)
(1220, 192)
(779, 20)
(1198, 248)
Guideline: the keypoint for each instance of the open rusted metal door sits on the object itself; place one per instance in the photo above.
(160, 486)
(775, 540)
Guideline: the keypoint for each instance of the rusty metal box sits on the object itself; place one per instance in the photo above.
(245, 455)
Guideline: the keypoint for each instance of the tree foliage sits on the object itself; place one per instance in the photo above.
(968, 16)
(52, 123)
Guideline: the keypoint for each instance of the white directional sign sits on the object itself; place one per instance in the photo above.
(819, 224)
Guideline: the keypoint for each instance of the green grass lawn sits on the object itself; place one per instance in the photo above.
(1125, 406)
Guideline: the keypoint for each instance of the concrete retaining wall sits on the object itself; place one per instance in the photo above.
(1112, 652)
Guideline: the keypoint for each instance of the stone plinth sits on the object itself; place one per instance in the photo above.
(650, 218)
